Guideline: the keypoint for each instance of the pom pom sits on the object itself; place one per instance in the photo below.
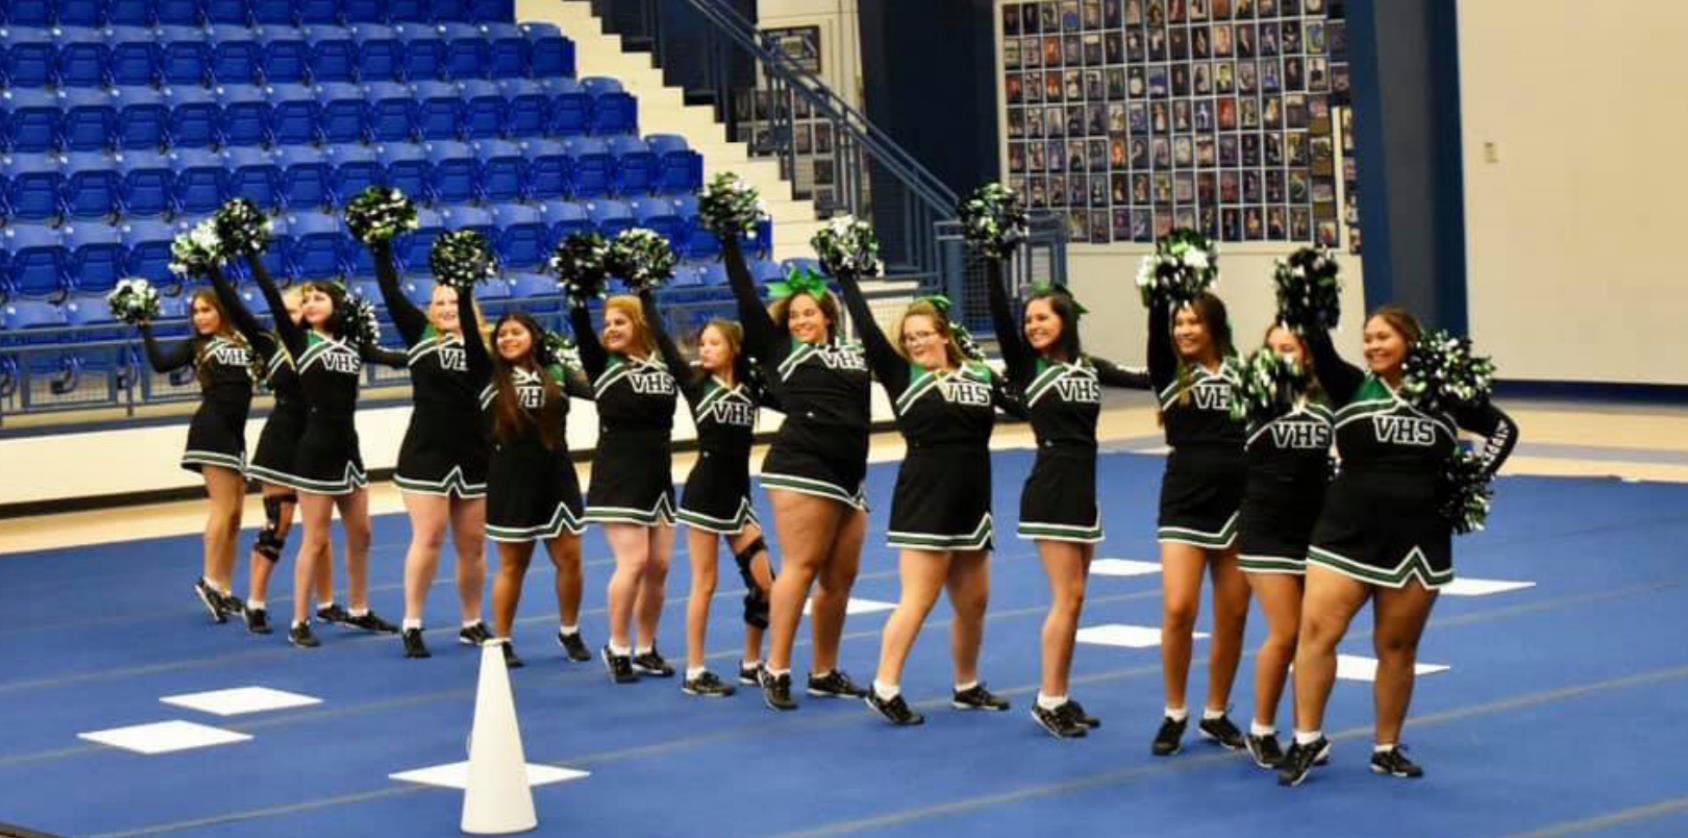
(993, 219)
(580, 265)
(133, 300)
(642, 258)
(1441, 373)
(243, 228)
(847, 245)
(194, 252)
(1269, 387)
(1466, 492)
(558, 348)
(462, 258)
(378, 214)
(730, 207)
(1309, 292)
(360, 323)
(1184, 265)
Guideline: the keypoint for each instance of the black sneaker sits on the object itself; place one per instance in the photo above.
(332, 613)
(511, 661)
(1299, 760)
(300, 635)
(413, 645)
(1078, 712)
(473, 634)
(834, 684)
(232, 605)
(258, 621)
(708, 686)
(1395, 764)
(1221, 732)
(896, 710)
(620, 667)
(776, 690)
(750, 675)
(1060, 722)
(977, 698)
(1169, 739)
(368, 621)
(651, 663)
(573, 646)
(212, 600)
(1265, 750)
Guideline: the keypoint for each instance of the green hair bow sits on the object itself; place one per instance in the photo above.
(1040, 289)
(799, 281)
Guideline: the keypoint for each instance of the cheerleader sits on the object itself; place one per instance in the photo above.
(327, 468)
(814, 471)
(716, 500)
(441, 469)
(1380, 534)
(533, 493)
(1061, 389)
(1288, 467)
(632, 488)
(1192, 368)
(216, 448)
(941, 509)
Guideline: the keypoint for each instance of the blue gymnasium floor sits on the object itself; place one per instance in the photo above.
(1558, 712)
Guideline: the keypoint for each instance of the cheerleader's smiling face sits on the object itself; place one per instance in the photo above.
(806, 320)
(923, 342)
(1043, 326)
(1190, 335)
(318, 308)
(1385, 348)
(618, 330)
(206, 320)
(442, 310)
(514, 341)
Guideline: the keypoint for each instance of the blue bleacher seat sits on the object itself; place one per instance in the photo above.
(506, 51)
(195, 117)
(186, 56)
(345, 114)
(129, 12)
(424, 53)
(295, 114)
(766, 272)
(149, 241)
(253, 174)
(181, 12)
(275, 12)
(92, 186)
(35, 182)
(686, 276)
(456, 176)
(315, 246)
(490, 11)
(660, 214)
(149, 183)
(287, 55)
(503, 170)
(307, 178)
(246, 114)
(527, 111)
(439, 110)
(418, 286)
(88, 309)
(238, 12)
(20, 315)
(360, 265)
(334, 55)
(700, 243)
(613, 109)
(37, 266)
(202, 180)
(96, 253)
(134, 57)
(565, 219)
(28, 13)
(90, 120)
(143, 118)
(714, 274)
(466, 50)
(329, 12)
(237, 57)
(448, 10)
(380, 53)
(635, 166)
(412, 249)
(550, 55)
(571, 107)
(83, 57)
(80, 12)
(392, 111)
(409, 11)
(408, 170)
(356, 168)
(483, 112)
(525, 285)
(594, 167)
(31, 57)
(524, 240)
(679, 169)
(471, 218)
(610, 217)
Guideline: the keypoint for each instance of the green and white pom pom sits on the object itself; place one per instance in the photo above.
(559, 349)
(134, 300)
(194, 252)
(642, 258)
(462, 258)
(1269, 386)
(1309, 292)
(243, 228)
(581, 267)
(1440, 373)
(730, 207)
(361, 321)
(993, 219)
(379, 213)
(1184, 265)
(847, 245)
(1467, 492)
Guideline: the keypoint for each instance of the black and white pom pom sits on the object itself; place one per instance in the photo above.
(362, 322)
(581, 267)
(462, 258)
(730, 207)
(195, 251)
(560, 349)
(379, 213)
(1185, 265)
(993, 219)
(1441, 373)
(642, 258)
(243, 228)
(133, 300)
(1309, 292)
(1269, 387)
(847, 245)
(1467, 492)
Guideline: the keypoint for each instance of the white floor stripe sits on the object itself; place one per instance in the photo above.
(456, 775)
(1123, 567)
(1465, 586)
(859, 606)
(1131, 637)
(240, 700)
(164, 737)
(1361, 668)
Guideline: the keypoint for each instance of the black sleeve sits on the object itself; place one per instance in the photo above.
(292, 336)
(685, 375)
(1500, 433)
(260, 341)
(381, 355)
(888, 365)
(1340, 379)
(762, 336)
(575, 385)
(474, 346)
(1110, 374)
(167, 360)
(1015, 353)
(1163, 364)
(592, 355)
(1007, 397)
(410, 320)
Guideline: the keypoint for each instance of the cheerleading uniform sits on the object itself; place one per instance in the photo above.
(1064, 401)
(1202, 487)
(1288, 468)
(326, 459)
(533, 493)
(632, 477)
(442, 454)
(1381, 523)
(217, 434)
(272, 460)
(943, 496)
(821, 448)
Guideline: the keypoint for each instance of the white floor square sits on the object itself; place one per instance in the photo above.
(1361, 668)
(164, 737)
(1463, 586)
(859, 606)
(456, 775)
(1119, 634)
(240, 700)
(1124, 567)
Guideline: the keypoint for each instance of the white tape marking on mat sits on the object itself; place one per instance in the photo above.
(1123, 567)
(1131, 637)
(164, 737)
(240, 700)
(1465, 586)
(456, 775)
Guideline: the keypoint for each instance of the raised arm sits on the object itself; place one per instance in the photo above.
(1340, 379)
(1007, 397)
(684, 373)
(1499, 432)
(575, 385)
(262, 342)
(888, 365)
(382, 356)
(762, 336)
(292, 336)
(1019, 358)
(592, 355)
(1163, 364)
(474, 346)
(166, 360)
(411, 321)
(1110, 374)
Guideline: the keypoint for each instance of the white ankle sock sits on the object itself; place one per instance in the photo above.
(961, 688)
(644, 650)
(412, 624)
(357, 612)
(885, 691)
(743, 664)
(693, 672)
(1050, 702)
(466, 623)
(620, 651)
(779, 673)
(1262, 731)
(1178, 714)
(570, 630)
(1383, 749)
(254, 604)
(325, 604)
(1308, 737)
(1210, 715)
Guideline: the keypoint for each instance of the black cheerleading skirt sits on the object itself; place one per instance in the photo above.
(532, 493)
(1276, 523)
(327, 461)
(443, 454)
(1058, 502)
(1201, 492)
(217, 436)
(278, 444)
(717, 494)
(825, 461)
(1383, 528)
(943, 499)
(632, 481)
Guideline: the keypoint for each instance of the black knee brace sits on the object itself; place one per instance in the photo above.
(746, 556)
(270, 542)
(755, 603)
(755, 609)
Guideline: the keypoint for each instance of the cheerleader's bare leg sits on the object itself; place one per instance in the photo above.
(762, 575)
(653, 584)
(923, 574)
(1230, 617)
(832, 594)
(226, 489)
(631, 545)
(704, 549)
(430, 515)
(513, 558)
(354, 516)
(969, 585)
(468, 532)
(1067, 564)
(571, 579)
(1181, 591)
(316, 514)
(1280, 597)
(1400, 615)
(1329, 605)
(807, 526)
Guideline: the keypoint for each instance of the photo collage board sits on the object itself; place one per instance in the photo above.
(1133, 117)
(761, 115)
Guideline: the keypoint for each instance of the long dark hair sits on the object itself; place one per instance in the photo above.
(1062, 304)
(225, 330)
(1210, 310)
(510, 421)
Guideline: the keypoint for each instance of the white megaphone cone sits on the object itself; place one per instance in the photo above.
(497, 799)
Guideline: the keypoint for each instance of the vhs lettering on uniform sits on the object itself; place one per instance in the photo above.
(1300, 435)
(453, 358)
(231, 356)
(1212, 396)
(345, 362)
(732, 413)
(838, 358)
(967, 393)
(1079, 390)
(531, 396)
(652, 383)
(1404, 430)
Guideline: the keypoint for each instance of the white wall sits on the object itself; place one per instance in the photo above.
(1573, 230)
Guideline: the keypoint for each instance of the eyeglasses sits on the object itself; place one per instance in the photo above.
(912, 338)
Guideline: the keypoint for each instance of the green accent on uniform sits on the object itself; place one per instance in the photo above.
(661, 513)
(728, 526)
(451, 484)
(1183, 535)
(920, 384)
(353, 480)
(213, 458)
(1272, 564)
(976, 540)
(810, 486)
(1060, 532)
(561, 519)
(1413, 564)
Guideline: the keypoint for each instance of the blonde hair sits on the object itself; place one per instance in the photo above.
(940, 324)
(634, 309)
(480, 316)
